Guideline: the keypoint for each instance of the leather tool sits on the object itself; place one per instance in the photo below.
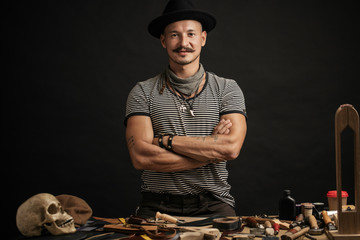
(291, 232)
(130, 228)
(200, 233)
(203, 222)
(299, 221)
(314, 230)
(227, 224)
(166, 217)
(284, 224)
(327, 220)
(294, 233)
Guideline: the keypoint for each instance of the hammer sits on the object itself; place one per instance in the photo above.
(327, 220)
(294, 233)
(314, 230)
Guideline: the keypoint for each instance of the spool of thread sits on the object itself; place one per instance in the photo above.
(276, 227)
(227, 224)
(318, 207)
(307, 209)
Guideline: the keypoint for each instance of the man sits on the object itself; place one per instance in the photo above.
(185, 124)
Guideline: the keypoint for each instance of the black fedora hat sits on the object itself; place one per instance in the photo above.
(177, 10)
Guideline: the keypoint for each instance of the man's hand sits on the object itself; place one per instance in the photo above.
(223, 127)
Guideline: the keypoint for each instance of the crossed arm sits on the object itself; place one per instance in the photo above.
(189, 152)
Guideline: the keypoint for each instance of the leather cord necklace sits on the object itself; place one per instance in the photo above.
(185, 87)
(182, 99)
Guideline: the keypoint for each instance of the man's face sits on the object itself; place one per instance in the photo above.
(183, 41)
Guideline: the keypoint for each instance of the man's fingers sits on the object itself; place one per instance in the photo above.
(217, 126)
(223, 127)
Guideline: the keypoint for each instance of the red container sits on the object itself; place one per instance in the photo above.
(332, 199)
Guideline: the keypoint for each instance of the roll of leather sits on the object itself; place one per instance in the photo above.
(227, 223)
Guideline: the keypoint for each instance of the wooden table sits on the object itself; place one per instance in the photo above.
(247, 230)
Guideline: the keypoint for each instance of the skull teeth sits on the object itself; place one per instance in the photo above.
(66, 223)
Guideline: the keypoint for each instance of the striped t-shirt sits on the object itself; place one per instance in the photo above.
(219, 96)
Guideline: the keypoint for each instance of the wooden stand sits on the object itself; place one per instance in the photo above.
(348, 221)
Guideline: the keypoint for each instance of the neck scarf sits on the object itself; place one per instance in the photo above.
(186, 86)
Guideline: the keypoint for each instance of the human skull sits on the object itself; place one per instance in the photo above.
(43, 211)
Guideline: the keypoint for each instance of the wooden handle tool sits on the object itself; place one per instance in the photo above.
(315, 230)
(295, 233)
(166, 217)
(327, 220)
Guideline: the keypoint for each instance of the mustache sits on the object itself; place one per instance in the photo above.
(186, 49)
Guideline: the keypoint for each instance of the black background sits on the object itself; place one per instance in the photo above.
(69, 66)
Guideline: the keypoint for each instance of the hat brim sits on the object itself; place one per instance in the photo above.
(157, 26)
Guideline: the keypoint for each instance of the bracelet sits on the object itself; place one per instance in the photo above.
(169, 146)
(161, 142)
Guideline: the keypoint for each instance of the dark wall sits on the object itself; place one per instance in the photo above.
(70, 65)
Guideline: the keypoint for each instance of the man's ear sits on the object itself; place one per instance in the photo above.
(162, 40)
(203, 36)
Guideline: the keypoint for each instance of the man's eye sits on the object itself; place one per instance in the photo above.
(191, 34)
(174, 35)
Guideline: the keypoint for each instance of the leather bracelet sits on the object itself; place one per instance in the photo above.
(169, 145)
(161, 141)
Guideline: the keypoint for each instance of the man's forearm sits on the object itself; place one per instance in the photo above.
(146, 156)
(207, 149)
(224, 144)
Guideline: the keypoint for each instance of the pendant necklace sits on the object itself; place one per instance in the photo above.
(185, 87)
(182, 99)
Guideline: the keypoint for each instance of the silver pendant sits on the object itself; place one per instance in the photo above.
(182, 108)
(192, 112)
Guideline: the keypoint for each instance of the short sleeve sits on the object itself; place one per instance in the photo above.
(233, 100)
(137, 103)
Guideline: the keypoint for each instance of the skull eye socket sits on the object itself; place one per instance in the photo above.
(53, 208)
